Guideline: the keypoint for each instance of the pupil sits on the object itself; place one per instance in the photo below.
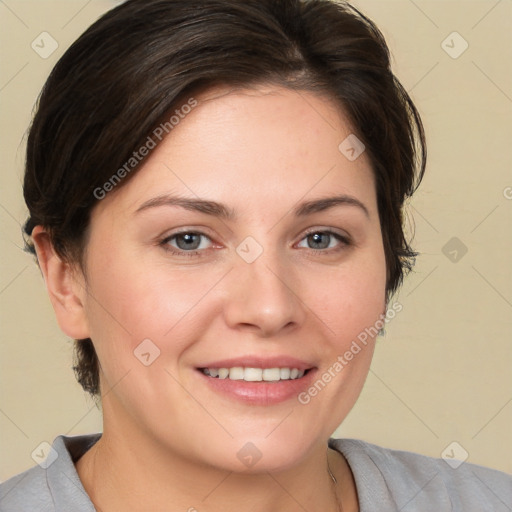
(317, 240)
(189, 241)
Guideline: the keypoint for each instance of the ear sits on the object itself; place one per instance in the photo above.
(66, 292)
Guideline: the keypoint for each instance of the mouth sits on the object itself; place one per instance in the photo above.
(255, 380)
(250, 374)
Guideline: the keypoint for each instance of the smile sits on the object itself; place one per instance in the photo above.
(249, 374)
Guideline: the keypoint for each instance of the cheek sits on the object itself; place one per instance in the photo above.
(131, 300)
(352, 297)
(352, 308)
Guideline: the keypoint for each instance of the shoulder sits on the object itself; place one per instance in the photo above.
(52, 485)
(410, 481)
(26, 491)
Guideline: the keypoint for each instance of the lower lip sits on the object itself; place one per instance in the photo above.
(260, 393)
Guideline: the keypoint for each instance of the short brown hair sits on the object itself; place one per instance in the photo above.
(133, 66)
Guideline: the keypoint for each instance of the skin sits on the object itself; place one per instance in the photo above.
(168, 438)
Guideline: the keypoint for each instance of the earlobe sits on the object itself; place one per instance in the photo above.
(66, 293)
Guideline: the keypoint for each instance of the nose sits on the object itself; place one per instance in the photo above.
(263, 297)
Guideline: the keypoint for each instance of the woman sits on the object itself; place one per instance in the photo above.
(215, 192)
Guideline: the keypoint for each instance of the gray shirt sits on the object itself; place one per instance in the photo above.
(386, 480)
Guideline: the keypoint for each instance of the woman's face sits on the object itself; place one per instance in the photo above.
(282, 282)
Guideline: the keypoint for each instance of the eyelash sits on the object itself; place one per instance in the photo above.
(341, 238)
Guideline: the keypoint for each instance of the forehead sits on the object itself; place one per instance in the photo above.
(249, 147)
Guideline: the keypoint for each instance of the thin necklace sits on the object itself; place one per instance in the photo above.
(334, 484)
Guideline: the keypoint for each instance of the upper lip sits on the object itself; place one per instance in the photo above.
(260, 362)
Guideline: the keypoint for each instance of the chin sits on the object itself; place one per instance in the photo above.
(252, 455)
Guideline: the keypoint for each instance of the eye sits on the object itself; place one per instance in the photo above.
(194, 243)
(325, 241)
(187, 243)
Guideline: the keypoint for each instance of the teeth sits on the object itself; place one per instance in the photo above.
(236, 373)
(255, 374)
(271, 374)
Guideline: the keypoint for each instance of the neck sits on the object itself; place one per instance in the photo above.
(131, 473)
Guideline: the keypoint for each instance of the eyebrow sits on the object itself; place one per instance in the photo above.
(221, 211)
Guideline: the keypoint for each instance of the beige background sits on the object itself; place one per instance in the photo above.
(442, 373)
